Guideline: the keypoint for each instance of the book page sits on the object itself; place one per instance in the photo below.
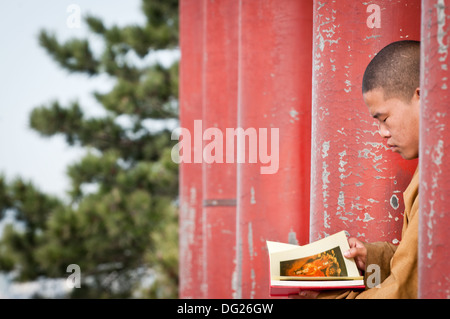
(320, 260)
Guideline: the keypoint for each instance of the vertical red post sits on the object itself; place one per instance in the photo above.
(434, 153)
(356, 182)
(275, 46)
(219, 167)
(191, 259)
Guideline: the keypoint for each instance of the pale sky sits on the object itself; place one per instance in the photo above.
(29, 78)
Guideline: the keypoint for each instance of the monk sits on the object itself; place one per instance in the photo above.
(391, 92)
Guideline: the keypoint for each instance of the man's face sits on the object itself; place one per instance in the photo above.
(398, 120)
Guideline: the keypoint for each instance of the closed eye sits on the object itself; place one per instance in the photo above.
(380, 117)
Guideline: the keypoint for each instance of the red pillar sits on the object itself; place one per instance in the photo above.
(274, 94)
(219, 172)
(434, 153)
(356, 183)
(191, 269)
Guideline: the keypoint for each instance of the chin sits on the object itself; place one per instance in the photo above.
(409, 156)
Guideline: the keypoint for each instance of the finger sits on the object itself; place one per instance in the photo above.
(360, 264)
(353, 242)
(349, 253)
(353, 252)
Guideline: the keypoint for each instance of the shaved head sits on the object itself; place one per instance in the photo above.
(395, 70)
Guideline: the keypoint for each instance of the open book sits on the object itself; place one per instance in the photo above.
(319, 265)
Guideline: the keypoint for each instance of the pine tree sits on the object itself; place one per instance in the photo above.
(121, 221)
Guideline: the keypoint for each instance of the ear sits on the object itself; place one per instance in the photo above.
(416, 96)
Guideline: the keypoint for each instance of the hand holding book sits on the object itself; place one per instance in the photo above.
(317, 266)
(358, 252)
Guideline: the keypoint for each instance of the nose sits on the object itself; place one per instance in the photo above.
(384, 132)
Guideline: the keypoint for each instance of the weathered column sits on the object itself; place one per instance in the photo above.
(274, 110)
(191, 250)
(356, 182)
(219, 166)
(434, 153)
